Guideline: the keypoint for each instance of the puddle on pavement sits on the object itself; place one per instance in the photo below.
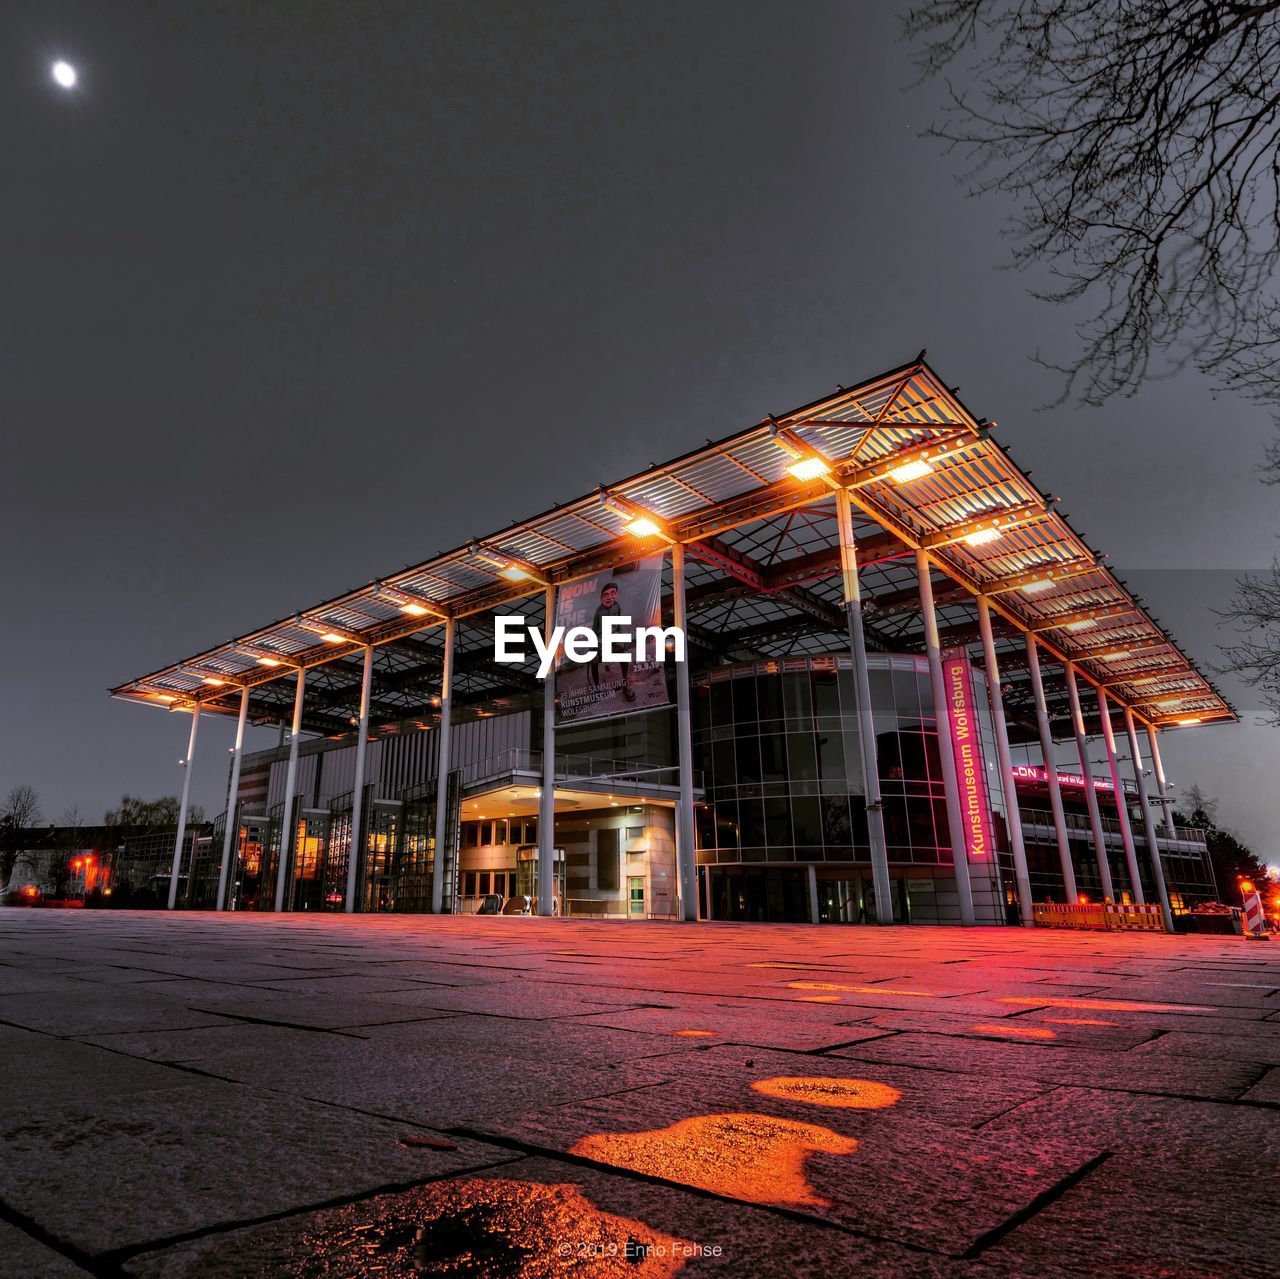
(755, 1158)
(861, 990)
(1015, 1032)
(474, 1228)
(819, 1090)
(1080, 1021)
(1103, 1005)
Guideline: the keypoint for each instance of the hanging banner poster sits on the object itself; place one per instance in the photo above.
(966, 748)
(632, 598)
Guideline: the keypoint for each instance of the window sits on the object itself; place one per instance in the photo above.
(635, 832)
(471, 834)
(607, 871)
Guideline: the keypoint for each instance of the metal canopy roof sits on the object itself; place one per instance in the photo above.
(762, 571)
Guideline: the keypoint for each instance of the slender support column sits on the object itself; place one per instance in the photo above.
(866, 718)
(1122, 807)
(1148, 821)
(355, 845)
(1170, 829)
(442, 772)
(686, 857)
(232, 828)
(189, 764)
(815, 915)
(951, 784)
(1005, 762)
(547, 800)
(1051, 772)
(290, 785)
(1090, 795)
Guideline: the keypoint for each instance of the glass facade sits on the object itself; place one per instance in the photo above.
(779, 747)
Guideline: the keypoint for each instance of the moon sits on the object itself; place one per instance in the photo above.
(64, 74)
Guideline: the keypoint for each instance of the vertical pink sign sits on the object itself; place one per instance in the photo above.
(966, 747)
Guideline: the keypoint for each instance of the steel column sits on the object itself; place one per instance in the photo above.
(1051, 772)
(355, 845)
(291, 782)
(442, 771)
(547, 800)
(686, 857)
(1122, 807)
(1148, 821)
(1090, 795)
(951, 784)
(811, 877)
(1170, 829)
(189, 765)
(232, 827)
(866, 718)
(1005, 761)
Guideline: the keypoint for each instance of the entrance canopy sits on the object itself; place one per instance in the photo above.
(756, 514)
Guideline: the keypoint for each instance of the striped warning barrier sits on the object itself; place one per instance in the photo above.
(1144, 918)
(1255, 923)
(1104, 916)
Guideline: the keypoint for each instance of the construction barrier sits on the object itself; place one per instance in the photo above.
(1255, 924)
(1104, 916)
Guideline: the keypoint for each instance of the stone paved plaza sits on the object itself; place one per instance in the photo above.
(242, 1095)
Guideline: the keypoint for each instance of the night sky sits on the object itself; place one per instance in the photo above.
(294, 295)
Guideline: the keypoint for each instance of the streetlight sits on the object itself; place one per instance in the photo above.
(64, 75)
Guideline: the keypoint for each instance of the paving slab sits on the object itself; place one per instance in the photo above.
(982, 1102)
(887, 1172)
(542, 1218)
(1129, 1072)
(1126, 1220)
(200, 1155)
(25, 1257)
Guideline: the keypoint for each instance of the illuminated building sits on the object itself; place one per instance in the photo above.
(847, 575)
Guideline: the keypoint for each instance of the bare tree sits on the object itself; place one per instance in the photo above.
(67, 847)
(19, 812)
(1254, 613)
(1138, 139)
(1139, 142)
(141, 814)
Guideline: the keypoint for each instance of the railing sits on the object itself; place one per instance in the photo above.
(1110, 825)
(571, 768)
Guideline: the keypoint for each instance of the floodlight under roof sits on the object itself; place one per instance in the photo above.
(809, 468)
(910, 471)
(981, 537)
(643, 526)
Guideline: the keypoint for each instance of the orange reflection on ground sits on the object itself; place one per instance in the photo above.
(484, 1229)
(821, 1090)
(756, 1158)
(1015, 1032)
(1080, 1021)
(1112, 1005)
(692, 1033)
(817, 999)
(858, 990)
